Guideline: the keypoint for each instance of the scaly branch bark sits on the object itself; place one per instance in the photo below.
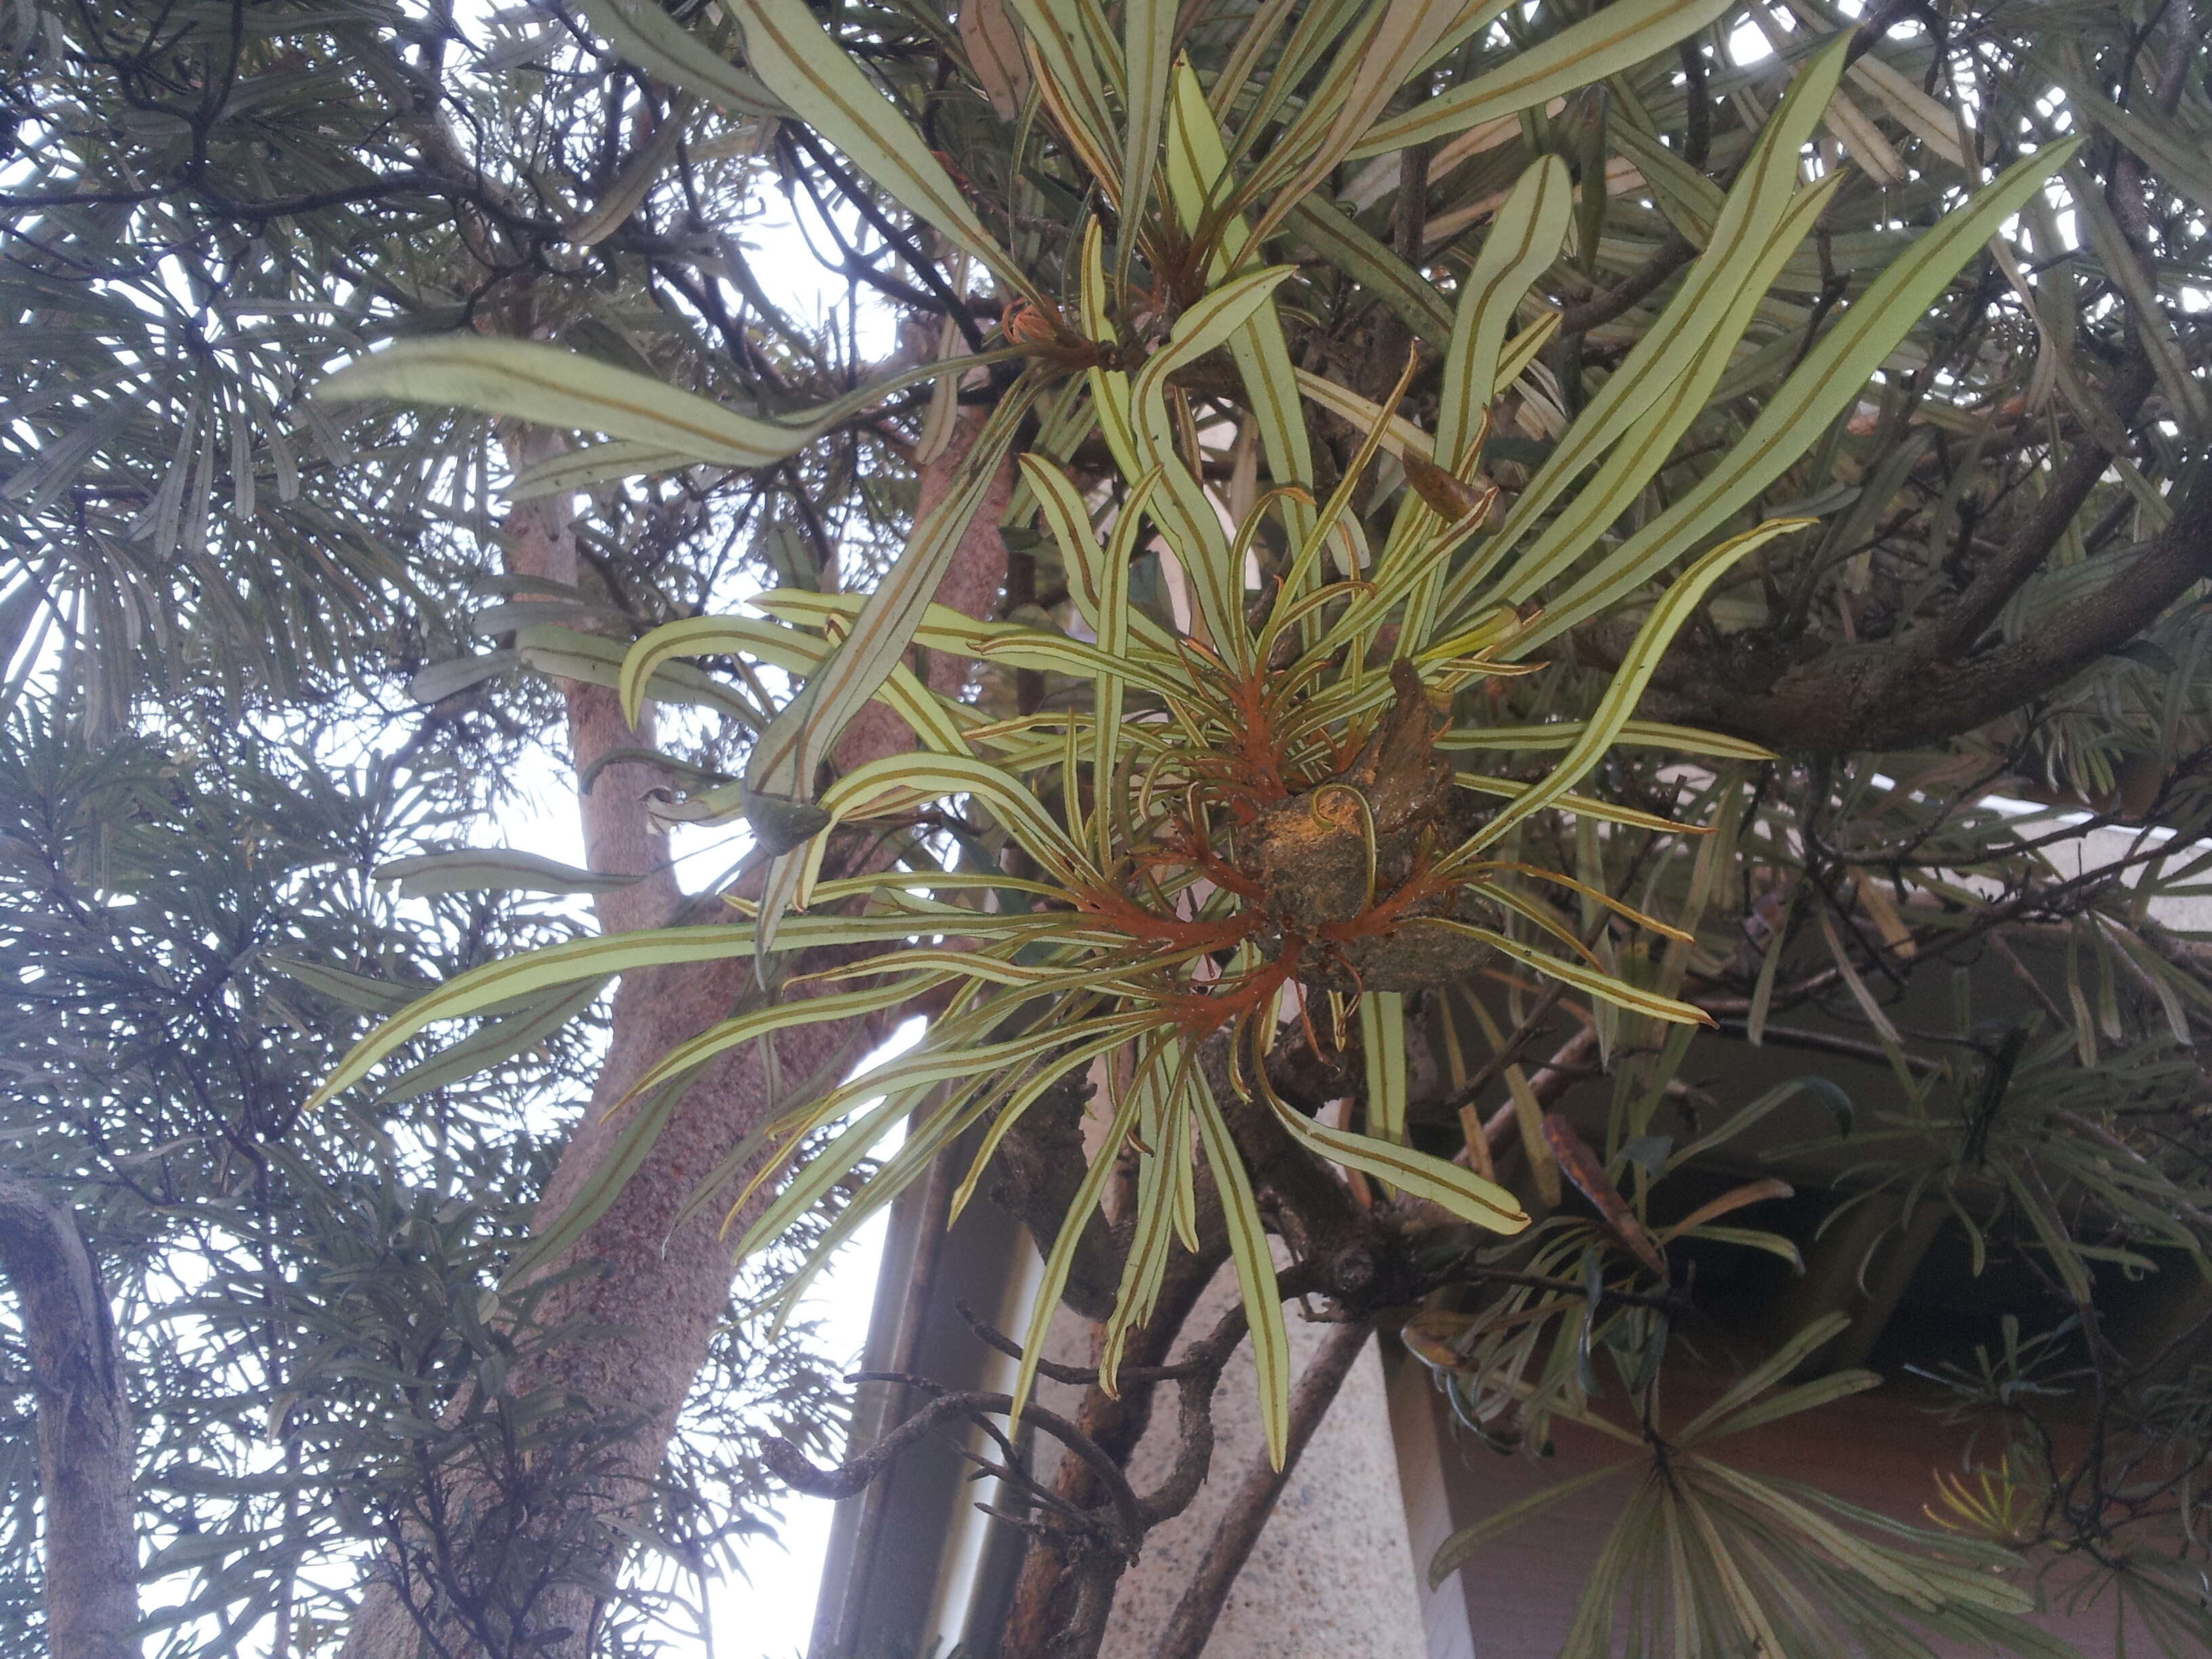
(1891, 695)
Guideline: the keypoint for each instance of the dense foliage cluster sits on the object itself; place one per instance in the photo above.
(1645, 533)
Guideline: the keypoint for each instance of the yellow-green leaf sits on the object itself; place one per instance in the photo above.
(1061, 1257)
(938, 724)
(1617, 38)
(1382, 1047)
(1626, 687)
(530, 972)
(1523, 240)
(1646, 734)
(1831, 378)
(1197, 160)
(1604, 987)
(825, 82)
(1462, 1192)
(785, 759)
(547, 386)
(1256, 1268)
(642, 33)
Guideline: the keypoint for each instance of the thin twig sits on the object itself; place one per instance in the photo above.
(794, 1468)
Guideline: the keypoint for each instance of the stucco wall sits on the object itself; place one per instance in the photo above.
(1334, 1572)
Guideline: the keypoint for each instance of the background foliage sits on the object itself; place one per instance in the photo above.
(1968, 702)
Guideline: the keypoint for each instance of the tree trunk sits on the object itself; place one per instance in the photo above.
(659, 1290)
(86, 1458)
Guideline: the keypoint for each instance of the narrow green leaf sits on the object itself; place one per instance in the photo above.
(1462, 1192)
(1067, 75)
(495, 1041)
(1256, 1268)
(1152, 1236)
(1014, 644)
(1061, 1257)
(1197, 160)
(364, 991)
(1605, 986)
(1607, 42)
(1061, 1062)
(646, 36)
(1643, 734)
(658, 425)
(1375, 269)
(547, 386)
(1148, 30)
(908, 779)
(1831, 377)
(2178, 158)
(594, 463)
(719, 1039)
(1383, 1045)
(1637, 666)
(1455, 1549)
(1645, 408)
(529, 972)
(568, 653)
(1085, 561)
(1586, 806)
(818, 1173)
(1524, 240)
(1805, 1396)
(932, 720)
(1399, 437)
(623, 1157)
(489, 869)
(1690, 201)
(1381, 61)
(1182, 506)
(1808, 1340)
(1827, 1090)
(825, 82)
(2177, 375)
(784, 760)
(937, 1129)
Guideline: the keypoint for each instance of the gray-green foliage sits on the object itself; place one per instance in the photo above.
(213, 599)
(303, 1299)
(1867, 365)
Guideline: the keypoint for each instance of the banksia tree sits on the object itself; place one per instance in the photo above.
(1355, 549)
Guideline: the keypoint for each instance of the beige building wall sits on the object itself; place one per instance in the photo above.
(1334, 1573)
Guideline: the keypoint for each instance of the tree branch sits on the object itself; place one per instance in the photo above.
(1891, 695)
(793, 1469)
(1971, 614)
(1255, 1498)
(1671, 255)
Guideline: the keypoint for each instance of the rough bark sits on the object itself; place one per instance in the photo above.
(1891, 696)
(85, 1448)
(657, 1290)
(1943, 676)
(1044, 1620)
